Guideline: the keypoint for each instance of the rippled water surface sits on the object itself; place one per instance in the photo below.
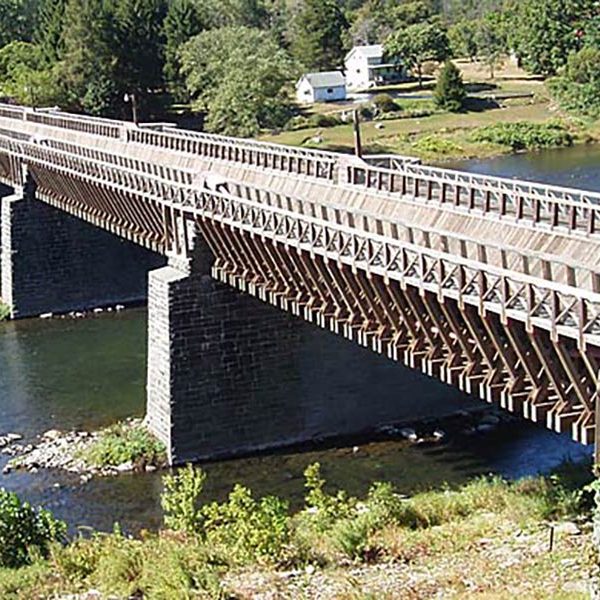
(85, 373)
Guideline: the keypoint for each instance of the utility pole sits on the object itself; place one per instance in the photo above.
(357, 140)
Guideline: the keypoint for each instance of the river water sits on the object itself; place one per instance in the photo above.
(86, 373)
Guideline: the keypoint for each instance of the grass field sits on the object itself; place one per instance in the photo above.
(448, 135)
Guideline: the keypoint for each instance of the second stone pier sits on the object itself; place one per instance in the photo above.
(229, 374)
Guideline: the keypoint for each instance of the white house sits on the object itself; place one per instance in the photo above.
(365, 68)
(328, 86)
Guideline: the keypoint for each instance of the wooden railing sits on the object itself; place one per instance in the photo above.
(537, 264)
(528, 202)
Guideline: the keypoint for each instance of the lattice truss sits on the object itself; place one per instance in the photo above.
(530, 344)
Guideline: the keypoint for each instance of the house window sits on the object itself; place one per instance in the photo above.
(330, 90)
(306, 92)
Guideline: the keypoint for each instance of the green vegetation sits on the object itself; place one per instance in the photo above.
(165, 58)
(4, 311)
(316, 33)
(578, 89)
(384, 103)
(524, 135)
(217, 550)
(124, 443)
(418, 44)
(239, 100)
(25, 532)
(450, 92)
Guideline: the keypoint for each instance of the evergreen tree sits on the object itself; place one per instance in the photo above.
(182, 22)
(450, 90)
(317, 35)
(140, 45)
(89, 56)
(48, 35)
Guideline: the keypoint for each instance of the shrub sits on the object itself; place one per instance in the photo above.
(323, 508)
(450, 90)
(122, 443)
(25, 530)
(384, 103)
(524, 135)
(433, 144)
(4, 311)
(296, 123)
(320, 120)
(247, 529)
(180, 499)
(241, 530)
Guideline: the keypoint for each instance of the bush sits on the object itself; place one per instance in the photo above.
(4, 311)
(247, 530)
(240, 530)
(296, 123)
(384, 103)
(450, 90)
(122, 443)
(523, 135)
(433, 144)
(320, 120)
(25, 530)
(180, 499)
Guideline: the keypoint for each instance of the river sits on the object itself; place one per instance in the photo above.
(85, 373)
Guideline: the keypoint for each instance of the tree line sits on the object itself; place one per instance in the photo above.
(236, 60)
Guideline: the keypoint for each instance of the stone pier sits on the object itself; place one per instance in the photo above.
(54, 262)
(229, 374)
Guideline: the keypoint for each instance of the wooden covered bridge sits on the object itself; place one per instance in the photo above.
(488, 284)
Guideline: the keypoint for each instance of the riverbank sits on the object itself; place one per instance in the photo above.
(486, 538)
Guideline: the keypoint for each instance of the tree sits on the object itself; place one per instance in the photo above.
(240, 96)
(463, 38)
(491, 40)
(543, 34)
(450, 90)
(182, 22)
(318, 31)
(48, 35)
(25, 76)
(578, 90)
(88, 67)
(417, 44)
(139, 50)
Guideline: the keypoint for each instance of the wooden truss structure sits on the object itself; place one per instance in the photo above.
(521, 329)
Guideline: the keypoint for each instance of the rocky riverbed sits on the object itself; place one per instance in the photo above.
(66, 450)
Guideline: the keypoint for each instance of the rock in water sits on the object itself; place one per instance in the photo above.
(409, 433)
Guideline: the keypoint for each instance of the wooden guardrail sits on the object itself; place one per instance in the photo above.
(530, 203)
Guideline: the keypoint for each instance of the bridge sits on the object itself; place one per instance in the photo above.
(488, 284)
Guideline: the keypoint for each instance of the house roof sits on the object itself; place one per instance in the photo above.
(372, 51)
(325, 79)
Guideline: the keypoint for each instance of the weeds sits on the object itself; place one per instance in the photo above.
(205, 545)
(123, 443)
(523, 135)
